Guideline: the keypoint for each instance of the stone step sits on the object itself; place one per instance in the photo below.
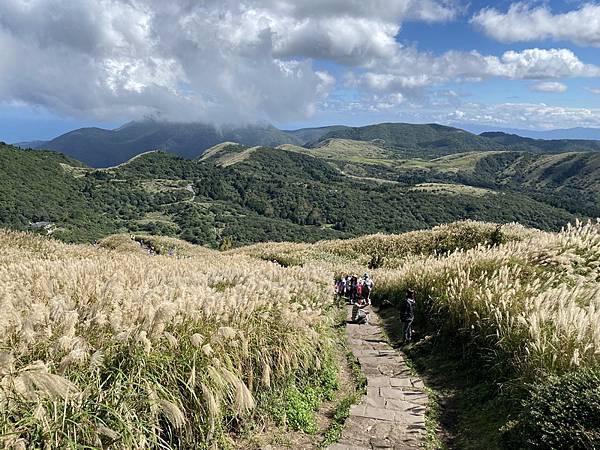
(392, 414)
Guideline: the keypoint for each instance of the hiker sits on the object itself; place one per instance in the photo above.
(353, 283)
(344, 287)
(367, 287)
(359, 288)
(340, 287)
(407, 315)
(360, 315)
(349, 289)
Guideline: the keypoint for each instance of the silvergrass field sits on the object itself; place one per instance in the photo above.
(107, 346)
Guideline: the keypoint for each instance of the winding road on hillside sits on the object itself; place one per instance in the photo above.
(392, 413)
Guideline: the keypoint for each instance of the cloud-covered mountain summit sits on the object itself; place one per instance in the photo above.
(285, 61)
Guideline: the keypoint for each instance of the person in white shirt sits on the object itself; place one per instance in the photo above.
(367, 288)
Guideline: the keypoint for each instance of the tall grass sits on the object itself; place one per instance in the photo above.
(108, 346)
(118, 348)
(529, 299)
(390, 251)
(535, 304)
(525, 303)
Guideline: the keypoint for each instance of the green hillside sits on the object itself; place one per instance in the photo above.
(519, 143)
(244, 194)
(314, 134)
(105, 148)
(34, 186)
(569, 180)
(431, 139)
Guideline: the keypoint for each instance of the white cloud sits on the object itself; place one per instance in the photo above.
(225, 60)
(523, 23)
(218, 60)
(524, 115)
(549, 86)
(410, 69)
(593, 90)
(538, 63)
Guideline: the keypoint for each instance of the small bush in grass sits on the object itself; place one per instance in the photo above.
(563, 413)
(297, 406)
(300, 407)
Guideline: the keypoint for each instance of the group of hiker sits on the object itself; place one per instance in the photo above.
(354, 288)
(357, 292)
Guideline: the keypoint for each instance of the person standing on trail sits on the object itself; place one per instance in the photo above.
(354, 288)
(407, 315)
(367, 287)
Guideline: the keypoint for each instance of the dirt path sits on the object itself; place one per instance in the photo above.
(190, 188)
(392, 414)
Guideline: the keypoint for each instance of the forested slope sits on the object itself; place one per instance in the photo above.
(242, 195)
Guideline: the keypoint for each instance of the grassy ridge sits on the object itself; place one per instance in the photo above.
(110, 347)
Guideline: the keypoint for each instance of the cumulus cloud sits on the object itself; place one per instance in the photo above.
(524, 115)
(549, 86)
(225, 60)
(410, 69)
(523, 23)
(218, 60)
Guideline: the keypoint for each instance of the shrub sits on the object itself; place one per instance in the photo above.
(562, 413)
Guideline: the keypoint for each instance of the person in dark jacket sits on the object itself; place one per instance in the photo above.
(407, 315)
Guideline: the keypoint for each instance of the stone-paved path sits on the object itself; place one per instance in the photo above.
(392, 414)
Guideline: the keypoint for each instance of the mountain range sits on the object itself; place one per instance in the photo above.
(332, 182)
(578, 133)
(98, 147)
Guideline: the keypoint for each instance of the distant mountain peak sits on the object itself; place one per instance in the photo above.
(99, 147)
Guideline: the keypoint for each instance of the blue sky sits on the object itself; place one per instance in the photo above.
(300, 63)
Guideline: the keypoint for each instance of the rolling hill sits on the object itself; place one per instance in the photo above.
(426, 138)
(105, 148)
(252, 194)
(519, 143)
(97, 147)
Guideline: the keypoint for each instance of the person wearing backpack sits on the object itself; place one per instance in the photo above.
(367, 288)
(407, 315)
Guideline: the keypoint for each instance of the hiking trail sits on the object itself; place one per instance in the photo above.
(392, 413)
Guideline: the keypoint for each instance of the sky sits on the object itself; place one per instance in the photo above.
(67, 64)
